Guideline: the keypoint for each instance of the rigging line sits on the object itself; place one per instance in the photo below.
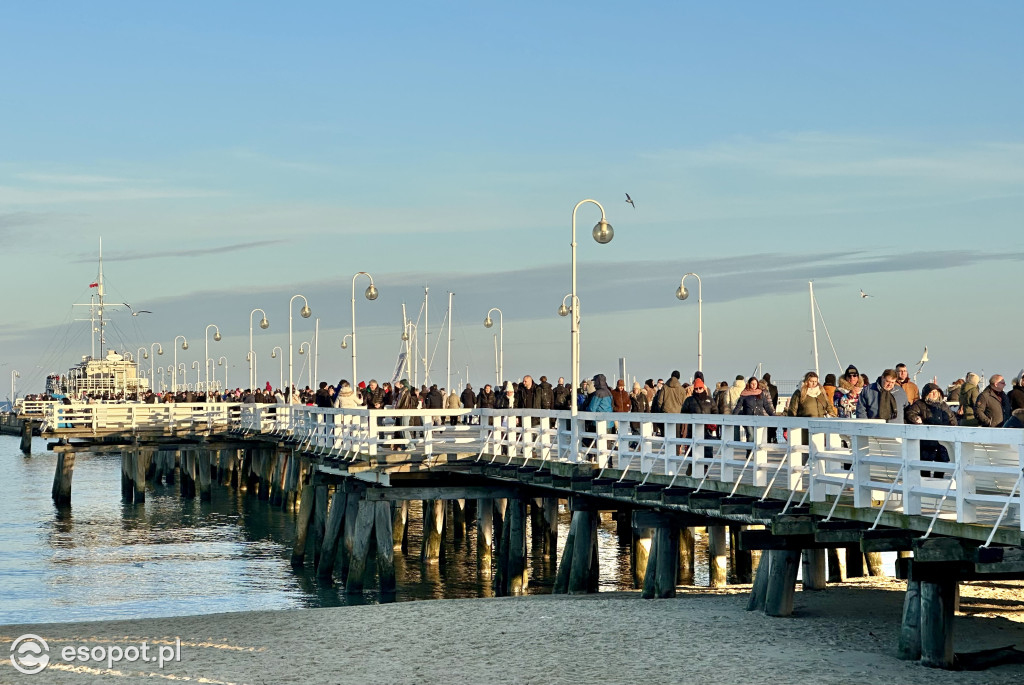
(463, 343)
(440, 330)
(827, 335)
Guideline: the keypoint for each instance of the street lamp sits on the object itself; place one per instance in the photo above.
(305, 314)
(184, 346)
(206, 359)
(371, 294)
(195, 365)
(152, 362)
(264, 324)
(280, 364)
(223, 361)
(309, 367)
(499, 368)
(682, 293)
(603, 234)
(161, 370)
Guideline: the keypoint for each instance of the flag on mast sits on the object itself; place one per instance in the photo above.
(94, 285)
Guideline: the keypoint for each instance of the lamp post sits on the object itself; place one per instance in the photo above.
(206, 359)
(371, 294)
(195, 365)
(140, 354)
(264, 324)
(280, 363)
(499, 368)
(682, 293)
(152, 362)
(309, 367)
(184, 346)
(172, 370)
(603, 233)
(161, 370)
(223, 361)
(305, 313)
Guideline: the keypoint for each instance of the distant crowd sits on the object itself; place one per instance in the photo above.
(893, 396)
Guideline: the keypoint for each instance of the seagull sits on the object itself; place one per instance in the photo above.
(864, 294)
(924, 357)
(136, 313)
(630, 200)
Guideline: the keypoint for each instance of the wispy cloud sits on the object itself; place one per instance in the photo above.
(71, 179)
(164, 254)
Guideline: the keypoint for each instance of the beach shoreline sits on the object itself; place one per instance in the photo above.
(844, 634)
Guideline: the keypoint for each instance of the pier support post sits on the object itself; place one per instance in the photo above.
(365, 515)
(127, 475)
(813, 569)
(909, 647)
(433, 531)
(742, 561)
(687, 555)
(854, 561)
(836, 557)
(459, 519)
(319, 522)
(204, 474)
(302, 525)
(641, 553)
(781, 582)
(937, 607)
(874, 560)
(759, 592)
(663, 563)
(399, 527)
(332, 533)
(61, 491)
(717, 555)
(517, 572)
(142, 457)
(549, 529)
(349, 533)
(484, 535)
(565, 566)
(385, 547)
(583, 553)
(26, 436)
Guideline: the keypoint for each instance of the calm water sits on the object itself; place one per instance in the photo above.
(103, 559)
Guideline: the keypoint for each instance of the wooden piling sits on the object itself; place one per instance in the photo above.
(516, 575)
(360, 549)
(717, 555)
(500, 580)
(142, 458)
(26, 436)
(484, 535)
(565, 566)
(687, 556)
(909, 647)
(813, 569)
(781, 588)
(302, 525)
(874, 560)
(385, 547)
(170, 464)
(459, 519)
(641, 552)
(204, 476)
(549, 529)
(742, 563)
(433, 531)
(349, 533)
(319, 523)
(127, 477)
(583, 552)
(854, 561)
(759, 591)
(937, 601)
(332, 534)
(836, 557)
(399, 527)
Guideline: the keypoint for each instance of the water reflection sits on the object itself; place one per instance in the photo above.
(102, 559)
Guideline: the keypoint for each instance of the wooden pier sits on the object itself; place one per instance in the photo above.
(826, 500)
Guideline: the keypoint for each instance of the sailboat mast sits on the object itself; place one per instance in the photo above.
(99, 293)
(814, 327)
(426, 335)
(448, 368)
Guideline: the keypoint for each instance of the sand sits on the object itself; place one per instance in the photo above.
(845, 634)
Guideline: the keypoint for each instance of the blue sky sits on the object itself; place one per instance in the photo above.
(231, 155)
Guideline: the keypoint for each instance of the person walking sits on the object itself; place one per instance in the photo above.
(809, 399)
(931, 410)
(993, 406)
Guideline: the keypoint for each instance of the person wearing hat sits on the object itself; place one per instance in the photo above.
(850, 378)
(931, 410)
(700, 402)
(829, 387)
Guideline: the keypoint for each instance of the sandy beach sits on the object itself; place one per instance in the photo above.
(845, 634)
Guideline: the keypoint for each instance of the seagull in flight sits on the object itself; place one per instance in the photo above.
(136, 313)
(630, 200)
(864, 294)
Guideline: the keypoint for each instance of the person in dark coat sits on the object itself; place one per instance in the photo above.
(620, 397)
(468, 399)
(1017, 394)
(486, 398)
(700, 402)
(526, 394)
(931, 410)
(545, 394)
(993, 406)
(773, 391)
(562, 395)
(323, 397)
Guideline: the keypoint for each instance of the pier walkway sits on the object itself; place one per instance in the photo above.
(827, 486)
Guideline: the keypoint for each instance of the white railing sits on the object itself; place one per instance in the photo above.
(863, 464)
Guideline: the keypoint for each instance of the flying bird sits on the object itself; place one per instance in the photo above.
(864, 294)
(136, 313)
(630, 200)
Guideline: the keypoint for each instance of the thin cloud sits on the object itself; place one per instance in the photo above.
(70, 179)
(135, 256)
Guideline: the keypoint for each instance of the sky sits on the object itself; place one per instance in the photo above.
(231, 155)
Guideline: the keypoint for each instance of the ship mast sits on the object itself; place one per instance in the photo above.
(99, 293)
